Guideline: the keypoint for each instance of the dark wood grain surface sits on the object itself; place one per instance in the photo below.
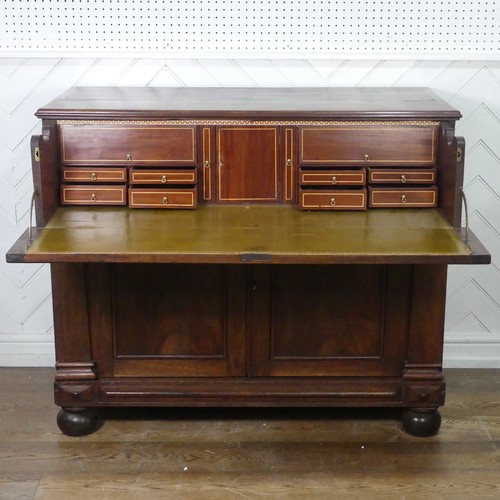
(250, 453)
(223, 102)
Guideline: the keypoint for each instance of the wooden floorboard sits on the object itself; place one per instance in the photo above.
(249, 453)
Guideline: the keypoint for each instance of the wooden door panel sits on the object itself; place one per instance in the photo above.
(247, 164)
(330, 320)
(306, 321)
(173, 320)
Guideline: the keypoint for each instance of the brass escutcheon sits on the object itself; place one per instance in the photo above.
(163, 179)
(403, 179)
(129, 157)
(93, 176)
(367, 158)
(403, 198)
(165, 200)
(334, 180)
(93, 197)
(333, 202)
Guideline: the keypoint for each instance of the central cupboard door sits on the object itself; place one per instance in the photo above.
(329, 320)
(247, 159)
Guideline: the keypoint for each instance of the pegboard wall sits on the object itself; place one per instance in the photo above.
(256, 28)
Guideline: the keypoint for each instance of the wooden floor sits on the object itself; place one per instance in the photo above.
(263, 453)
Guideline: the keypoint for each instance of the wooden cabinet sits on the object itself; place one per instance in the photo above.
(311, 270)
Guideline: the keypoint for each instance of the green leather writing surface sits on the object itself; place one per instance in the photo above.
(231, 234)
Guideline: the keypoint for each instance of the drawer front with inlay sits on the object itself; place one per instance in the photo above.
(150, 176)
(93, 195)
(398, 176)
(162, 198)
(403, 198)
(333, 199)
(97, 175)
(124, 144)
(333, 177)
(369, 144)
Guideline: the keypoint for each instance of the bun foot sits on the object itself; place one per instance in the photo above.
(421, 423)
(78, 422)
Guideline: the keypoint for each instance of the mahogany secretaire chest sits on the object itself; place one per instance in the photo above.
(248, 247)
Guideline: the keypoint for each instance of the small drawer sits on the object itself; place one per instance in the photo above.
(377, 144)
(333, 177)
(162, 198)
(93, 195)
(149, 176)
(403, 198)
(333, 199)
(398, 176)
(97, 175)
(127, 144)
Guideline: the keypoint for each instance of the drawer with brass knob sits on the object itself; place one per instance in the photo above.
(163, 198)
(332, 199)
(369, 143)
(94, 175)
(412, 197)
(401, 176)
(142, 176)
(135, 143)
(332, 177)
(93, 195)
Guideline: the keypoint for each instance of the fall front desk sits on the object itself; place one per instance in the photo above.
(248, 247)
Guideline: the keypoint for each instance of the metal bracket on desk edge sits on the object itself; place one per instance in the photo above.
(30, 227)
(464, 199)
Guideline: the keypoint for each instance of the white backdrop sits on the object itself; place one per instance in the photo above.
(451, 29)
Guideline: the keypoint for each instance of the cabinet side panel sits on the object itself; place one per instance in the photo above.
(450, 173)
(45, 169)
(71, 323)
(427, 317)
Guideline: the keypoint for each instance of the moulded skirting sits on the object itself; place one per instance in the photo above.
(26, 350)
(462, 352)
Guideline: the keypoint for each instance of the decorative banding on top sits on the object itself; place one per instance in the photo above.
(415, 123)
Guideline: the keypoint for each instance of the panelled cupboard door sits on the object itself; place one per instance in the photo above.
(177, 320)
(341, 320)
(247, 164)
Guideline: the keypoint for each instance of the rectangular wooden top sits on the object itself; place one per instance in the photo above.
(325, 103)
(278, 234)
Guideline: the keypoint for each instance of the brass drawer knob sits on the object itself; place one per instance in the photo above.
(163, 179)
(403, 198)
(334, 180)
(367, 158)
(165, 200)
(93, 197)
(403, 179)
(93, 176)
(333, 202)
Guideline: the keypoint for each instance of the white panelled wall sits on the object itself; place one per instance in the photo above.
(473, 305)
